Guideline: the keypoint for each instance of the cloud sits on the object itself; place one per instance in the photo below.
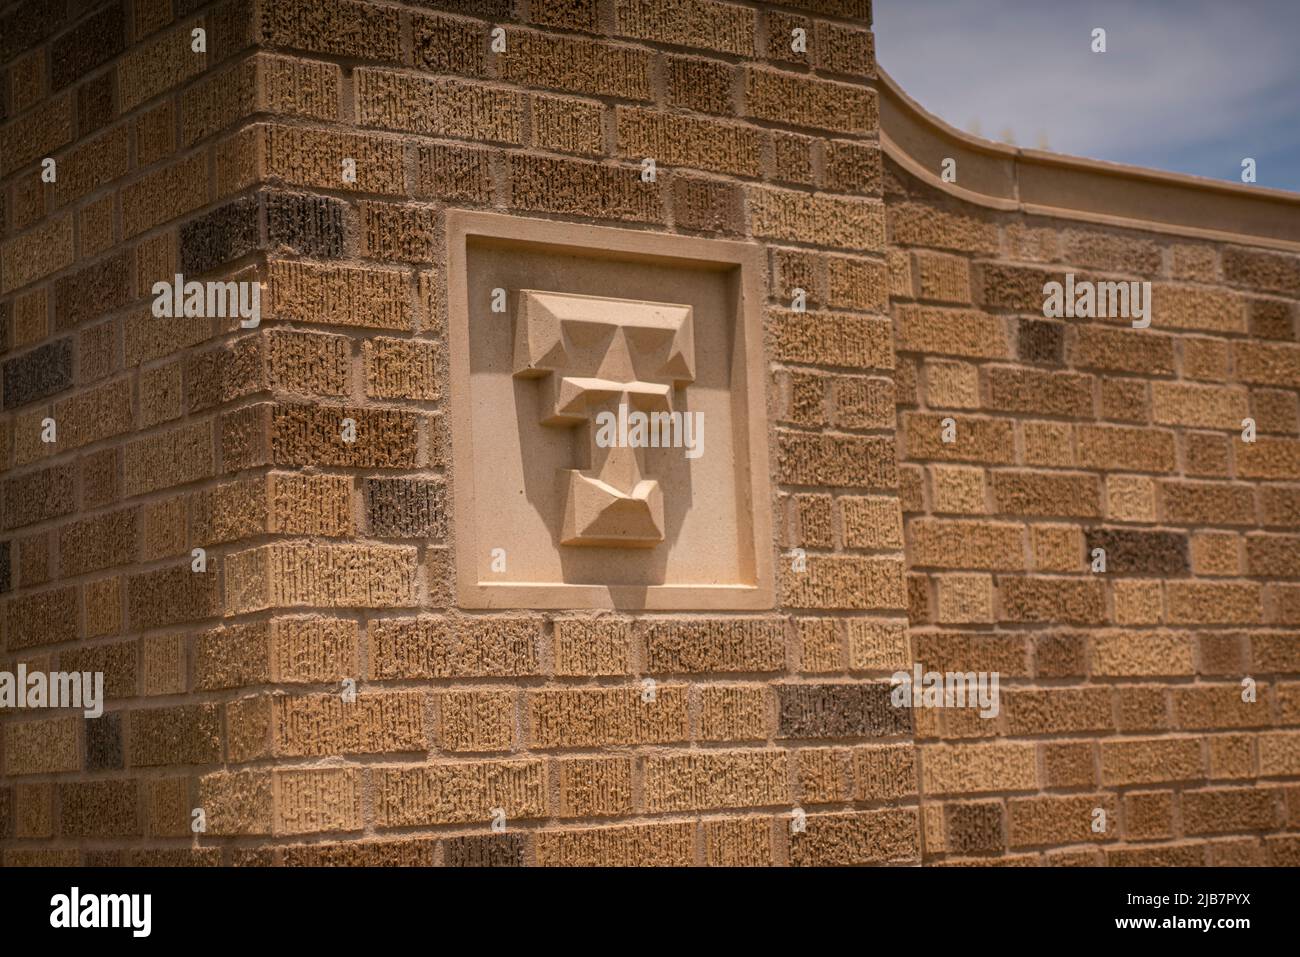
(1188, 85)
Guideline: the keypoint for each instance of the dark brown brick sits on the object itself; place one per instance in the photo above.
(406, 508)
(1041, 341)
(93, 42)
(972, 828)
(38, 374)
(37, 496)
(28, 24)
(90, 292)
(307, 225)
(484, 850)
(839, 711)
(104, 742)
(96, 103)
(224, 234)
(1272, 319)
(1134, 552)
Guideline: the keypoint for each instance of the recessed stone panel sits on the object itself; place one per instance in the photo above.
(609, 436)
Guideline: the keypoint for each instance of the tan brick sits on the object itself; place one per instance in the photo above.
(954, 332)
(837, 338)
(1213, 603)
(667, 844)
(1056, 819)
(310, 801)
(1220, 810)
(1127, 449)
(1130, 498)
(183, 734)
(916, 224)
(1052, 599)
(171, 595)
(166, 459)
(338, 27)
(1209, 407)
(439, 107)
(565, 125)
(476, 720)
(595, 787)
(577, 65)
(37, 135)
(42, 746)
(674, 139)
(876, 645)
(965, 598)
(957, 489)
(975, 768)
(451, 172)
(595, 717)
(704, 780)
(845, 582)
(401, 369)
(857, 837)
(99, 542)
(952, 385)
(1132, 654)
(92, 164)
(35, 254)
(724, 27)
(738, 842)
(600, 190)
(436, 648)
(1048, 444)
(856, 224)
(1123, 350)
(723, 645)
(460, 792)
(1196, 307)
(1137, 602)
(975, 439)
(150, 68)
(1150, 760)
(1279, 753)
(966, 544)
(323, 725)
(1219, 707)
(800, 100)
(1205, 359)
(733, 713)
(596, 647)
(343, 295)
(1268, 458)
(884, 772)
(287, 575)
(1216, 553)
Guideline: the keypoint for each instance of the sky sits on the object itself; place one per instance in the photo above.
(1190, 86)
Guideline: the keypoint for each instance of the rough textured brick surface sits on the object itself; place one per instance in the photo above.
(623, 735)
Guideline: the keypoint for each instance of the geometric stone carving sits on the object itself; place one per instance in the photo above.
(602, 359)
(585, 362)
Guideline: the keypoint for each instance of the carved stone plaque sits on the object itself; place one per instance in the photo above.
(608, 418)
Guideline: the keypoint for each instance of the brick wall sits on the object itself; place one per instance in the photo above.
(329, 561)
(1123, 689)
